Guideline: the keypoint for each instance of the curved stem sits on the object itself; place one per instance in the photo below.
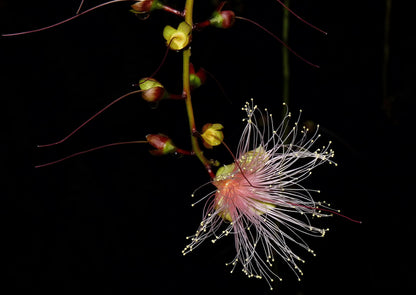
(277, 39)
(78, 14)
(90, 119)
(90, 150)
(286, 7)
(187, 93)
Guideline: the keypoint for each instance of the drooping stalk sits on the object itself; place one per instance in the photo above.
(187, 92)
(78, 14)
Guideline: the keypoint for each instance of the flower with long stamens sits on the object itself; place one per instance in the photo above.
(260, 199)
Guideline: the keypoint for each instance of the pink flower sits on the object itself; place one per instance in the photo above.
(260, 200)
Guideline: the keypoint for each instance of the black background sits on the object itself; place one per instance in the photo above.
(115, 221)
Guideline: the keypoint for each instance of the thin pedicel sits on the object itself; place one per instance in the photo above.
(64, 21)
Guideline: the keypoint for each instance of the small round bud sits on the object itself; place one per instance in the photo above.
(153, 91)
(162, 143)
(223, 19)
(198, 78)
(145, 6)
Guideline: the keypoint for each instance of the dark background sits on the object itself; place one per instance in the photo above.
(115, 221)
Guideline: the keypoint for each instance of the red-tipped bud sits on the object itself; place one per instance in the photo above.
(222, 19)
(198, 78)
(145, 6)
(162, 143)
(153, 91)
(191, 68)
(154, 94)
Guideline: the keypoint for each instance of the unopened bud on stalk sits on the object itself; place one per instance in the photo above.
(222, 19)
(198, 78)
(153, 91)
(212, 135)
(145, 6)
(162, 143)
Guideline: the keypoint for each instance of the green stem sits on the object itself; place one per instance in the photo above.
(189, 8)
(187, 92)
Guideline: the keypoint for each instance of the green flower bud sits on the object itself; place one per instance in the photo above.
(222, 19)
(162, 143)
(198, 78)
(145, 6)
(153, 91)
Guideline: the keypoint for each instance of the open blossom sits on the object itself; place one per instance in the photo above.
(178, 39)
(260, 200)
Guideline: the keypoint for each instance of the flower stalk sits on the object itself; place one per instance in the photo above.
(187, 94)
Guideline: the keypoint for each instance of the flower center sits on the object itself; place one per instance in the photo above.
(235, 197)
(228, 197)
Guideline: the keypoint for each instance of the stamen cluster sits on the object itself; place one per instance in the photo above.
(260, 200)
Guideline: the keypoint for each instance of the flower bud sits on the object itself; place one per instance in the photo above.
(153, 91)
(178, 39)
(162, 143)
(198, 78)
(222, 19)
(145, 6)
(212, 135)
